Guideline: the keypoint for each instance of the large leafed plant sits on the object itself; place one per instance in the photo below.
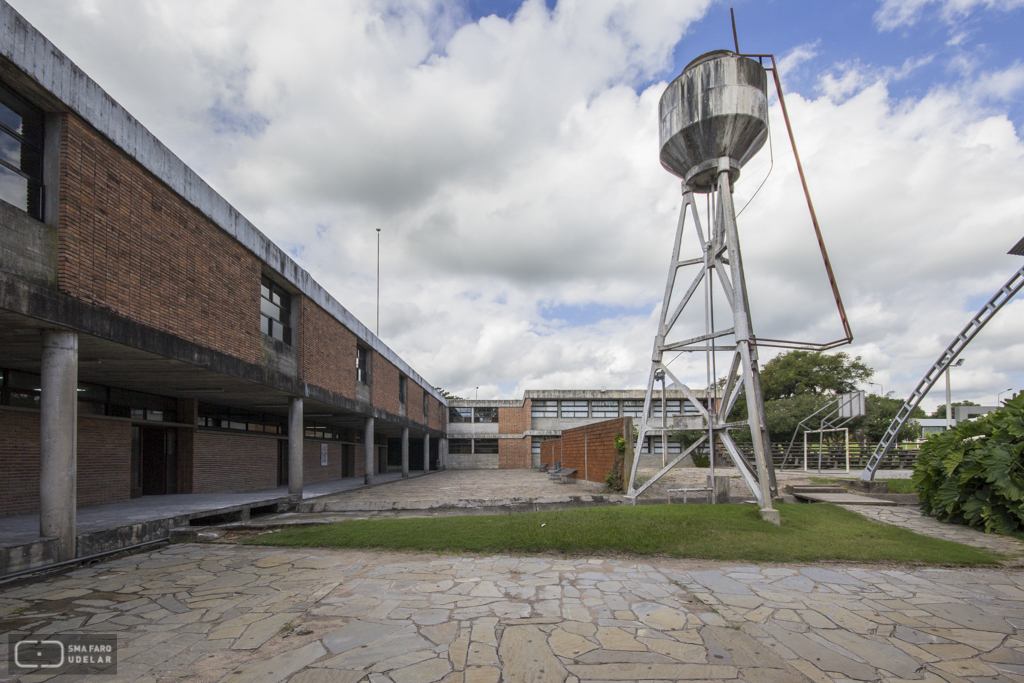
(974, 473)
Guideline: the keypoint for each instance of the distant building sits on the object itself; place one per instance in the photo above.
(507, 434)
(935, 425)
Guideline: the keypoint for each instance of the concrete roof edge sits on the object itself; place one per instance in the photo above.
(33, 53)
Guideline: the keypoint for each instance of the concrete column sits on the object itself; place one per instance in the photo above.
(371, 456)
(58, 442)
(296, 432)
(426, 453)
(443, 451)
(405, 452)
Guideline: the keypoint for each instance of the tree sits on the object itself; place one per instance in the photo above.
(940, 412)
(812, 372)
(448, 396)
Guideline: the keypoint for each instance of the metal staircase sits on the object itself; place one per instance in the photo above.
(988, 311)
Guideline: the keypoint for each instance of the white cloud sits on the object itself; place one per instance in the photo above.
(895, 13)
(512, 166)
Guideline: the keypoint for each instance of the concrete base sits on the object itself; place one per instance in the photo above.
(772, 516)
(868, 486)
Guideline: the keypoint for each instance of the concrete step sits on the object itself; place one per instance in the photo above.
(818, 489)
(842, 499)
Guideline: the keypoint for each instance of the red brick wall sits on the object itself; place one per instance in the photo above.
(312, 470)
(226, 462)
(128, 244)
(551, 451)
(104, 461)
(414, 409)
(514, 420)
(327, 350)
(513, 453)
(590, 450)
(384, 387)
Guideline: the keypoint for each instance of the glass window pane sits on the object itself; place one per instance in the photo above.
(460, 414)
(631, 408)
(574, 409)
(460, 446)
(604, 408)
(485, 415)
(486, 446)
(270, 310)
(544, 409)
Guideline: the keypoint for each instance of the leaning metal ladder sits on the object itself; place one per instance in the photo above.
(1012, 286)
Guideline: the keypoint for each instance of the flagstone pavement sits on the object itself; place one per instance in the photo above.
(243, 614)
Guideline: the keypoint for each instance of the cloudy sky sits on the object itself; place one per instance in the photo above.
(508, 153)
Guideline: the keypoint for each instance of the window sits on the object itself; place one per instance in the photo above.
(362, 364)
(460, 414)
(632, 408)
(536, 441)
(275, 311)
(403, 383)
(21, 154)
(220, 417)
(485, 446)
(544, 409)
(426, 405)
(460, 446)
(673, 407)
(574, 409)
(674, 447)
(485, 415)
(604, 408)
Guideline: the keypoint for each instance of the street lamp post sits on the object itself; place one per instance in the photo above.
(881, 389)
(949, 403)
(1001, 393)
(378, 282)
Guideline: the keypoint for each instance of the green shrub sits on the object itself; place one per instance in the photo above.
(974, 473)
(701, 458)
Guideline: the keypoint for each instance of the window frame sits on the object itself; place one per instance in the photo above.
(477, 419)
(571, 408)
(363, 365)
(268, 290)
(403, 389)
(35, 207)
(543, 408)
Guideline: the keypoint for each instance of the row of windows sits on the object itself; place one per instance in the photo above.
(609, 408)
(21, 390)
(471, 446)
(478, 415)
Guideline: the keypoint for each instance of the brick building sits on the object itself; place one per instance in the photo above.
(154, 341)
(509, 434)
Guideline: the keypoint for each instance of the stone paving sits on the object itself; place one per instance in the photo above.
(239, 614)
(911, 518)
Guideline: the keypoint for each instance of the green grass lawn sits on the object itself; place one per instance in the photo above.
(900, 486)
(719, 532)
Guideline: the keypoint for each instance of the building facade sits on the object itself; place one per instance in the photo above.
(508, 434)
(152, 340)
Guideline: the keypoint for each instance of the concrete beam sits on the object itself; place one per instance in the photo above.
(296, 431)
(58, 443)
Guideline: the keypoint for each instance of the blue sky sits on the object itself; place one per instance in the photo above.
(508, 153)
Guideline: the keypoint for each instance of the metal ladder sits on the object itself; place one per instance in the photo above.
(1012, 286)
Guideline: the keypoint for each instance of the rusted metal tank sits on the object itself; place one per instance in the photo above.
(718, 107)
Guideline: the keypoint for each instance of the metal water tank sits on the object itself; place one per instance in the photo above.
(718, 107)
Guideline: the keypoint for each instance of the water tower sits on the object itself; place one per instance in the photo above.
(713, 120)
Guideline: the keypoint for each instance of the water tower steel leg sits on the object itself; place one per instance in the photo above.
(748, 354)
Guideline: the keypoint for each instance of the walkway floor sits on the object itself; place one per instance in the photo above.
(911, 518)
(17, 529)
(462, 489)
(242, 614)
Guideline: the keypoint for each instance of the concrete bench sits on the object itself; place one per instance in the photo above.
(562, 474)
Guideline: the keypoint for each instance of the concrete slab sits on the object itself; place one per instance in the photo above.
(841, 499)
